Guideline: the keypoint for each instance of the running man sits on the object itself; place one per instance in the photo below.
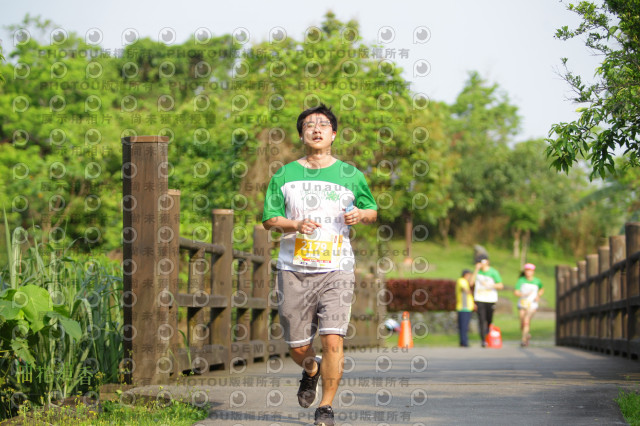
(487, 282)
(314, 201)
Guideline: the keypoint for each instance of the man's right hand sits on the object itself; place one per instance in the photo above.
(307, 226)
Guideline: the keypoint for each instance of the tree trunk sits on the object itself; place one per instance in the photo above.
(408, 235)
(516, 243)
(444, 226)
(525, 247)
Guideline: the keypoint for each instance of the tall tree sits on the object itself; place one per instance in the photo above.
(229, 109)
(610, 120)
(483, 122)
(394, 135)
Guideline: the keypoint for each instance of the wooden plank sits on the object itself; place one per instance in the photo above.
(200, 300)
(198, 331)
(241, 351)
(278, 347)
(241, 301)
(250, 257)
(215, 249)
(187, 359)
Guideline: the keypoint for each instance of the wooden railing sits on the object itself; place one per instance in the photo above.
(598, 302)
(226, 313)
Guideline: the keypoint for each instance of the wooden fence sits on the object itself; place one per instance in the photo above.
(227, 311)
(598, 302)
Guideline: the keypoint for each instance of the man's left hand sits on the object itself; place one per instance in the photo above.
(352, 217)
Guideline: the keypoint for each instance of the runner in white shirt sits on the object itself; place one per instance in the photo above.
(313, 201)
(528, 289)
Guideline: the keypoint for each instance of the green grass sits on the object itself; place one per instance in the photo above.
(448, 263)
(629, 403)
(542, 329)
(114, 413)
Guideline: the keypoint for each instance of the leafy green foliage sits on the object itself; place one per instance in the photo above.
(2, 79)
(174, 412)
(229, 110)
(84, 412)
(629, 403)
(609, 122)
(60, 323)
(483, 121)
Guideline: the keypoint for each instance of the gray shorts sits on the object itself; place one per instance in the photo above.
(315, 302)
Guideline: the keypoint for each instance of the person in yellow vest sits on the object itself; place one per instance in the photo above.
(464, 306)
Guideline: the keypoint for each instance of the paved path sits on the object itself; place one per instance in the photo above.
(542, 385)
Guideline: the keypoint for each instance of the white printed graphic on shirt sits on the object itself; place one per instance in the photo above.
(529, 293)
(484, 289)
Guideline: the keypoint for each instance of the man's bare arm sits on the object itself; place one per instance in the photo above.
(284, 225)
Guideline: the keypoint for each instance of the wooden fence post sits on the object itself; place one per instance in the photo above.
(632, 234)
(222, 280)
(574, 322)
(261, 288)
(591, 300)
(241, 347)
(599, 307)
(174, 250)
(562, 281)
(145, 182)
(617, 252)
(604, 298)
(198, 330)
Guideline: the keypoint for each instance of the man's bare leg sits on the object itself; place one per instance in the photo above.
(332, 366)
(304, 356)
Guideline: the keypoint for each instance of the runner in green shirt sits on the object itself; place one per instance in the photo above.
(528, 289)
(313, 202)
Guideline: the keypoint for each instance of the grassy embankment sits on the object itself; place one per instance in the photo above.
(448, 263)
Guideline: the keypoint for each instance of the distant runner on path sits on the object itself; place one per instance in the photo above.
(528, 289)
(487, 282)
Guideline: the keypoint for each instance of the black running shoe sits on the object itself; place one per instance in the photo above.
(308, 388)
(324, 416)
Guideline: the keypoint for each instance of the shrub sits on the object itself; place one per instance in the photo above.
(419, 294)
(60, 324)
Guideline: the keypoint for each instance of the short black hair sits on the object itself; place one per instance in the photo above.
(320, 109)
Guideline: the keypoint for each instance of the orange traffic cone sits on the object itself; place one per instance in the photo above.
(404, 339)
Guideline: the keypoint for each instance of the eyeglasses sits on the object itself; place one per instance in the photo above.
(310, 125)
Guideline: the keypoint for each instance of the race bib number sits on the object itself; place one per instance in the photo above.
(320, 250)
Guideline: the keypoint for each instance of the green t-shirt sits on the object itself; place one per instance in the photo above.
(527, 286)
(483, 290)
(322, 195)
(529, 291)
